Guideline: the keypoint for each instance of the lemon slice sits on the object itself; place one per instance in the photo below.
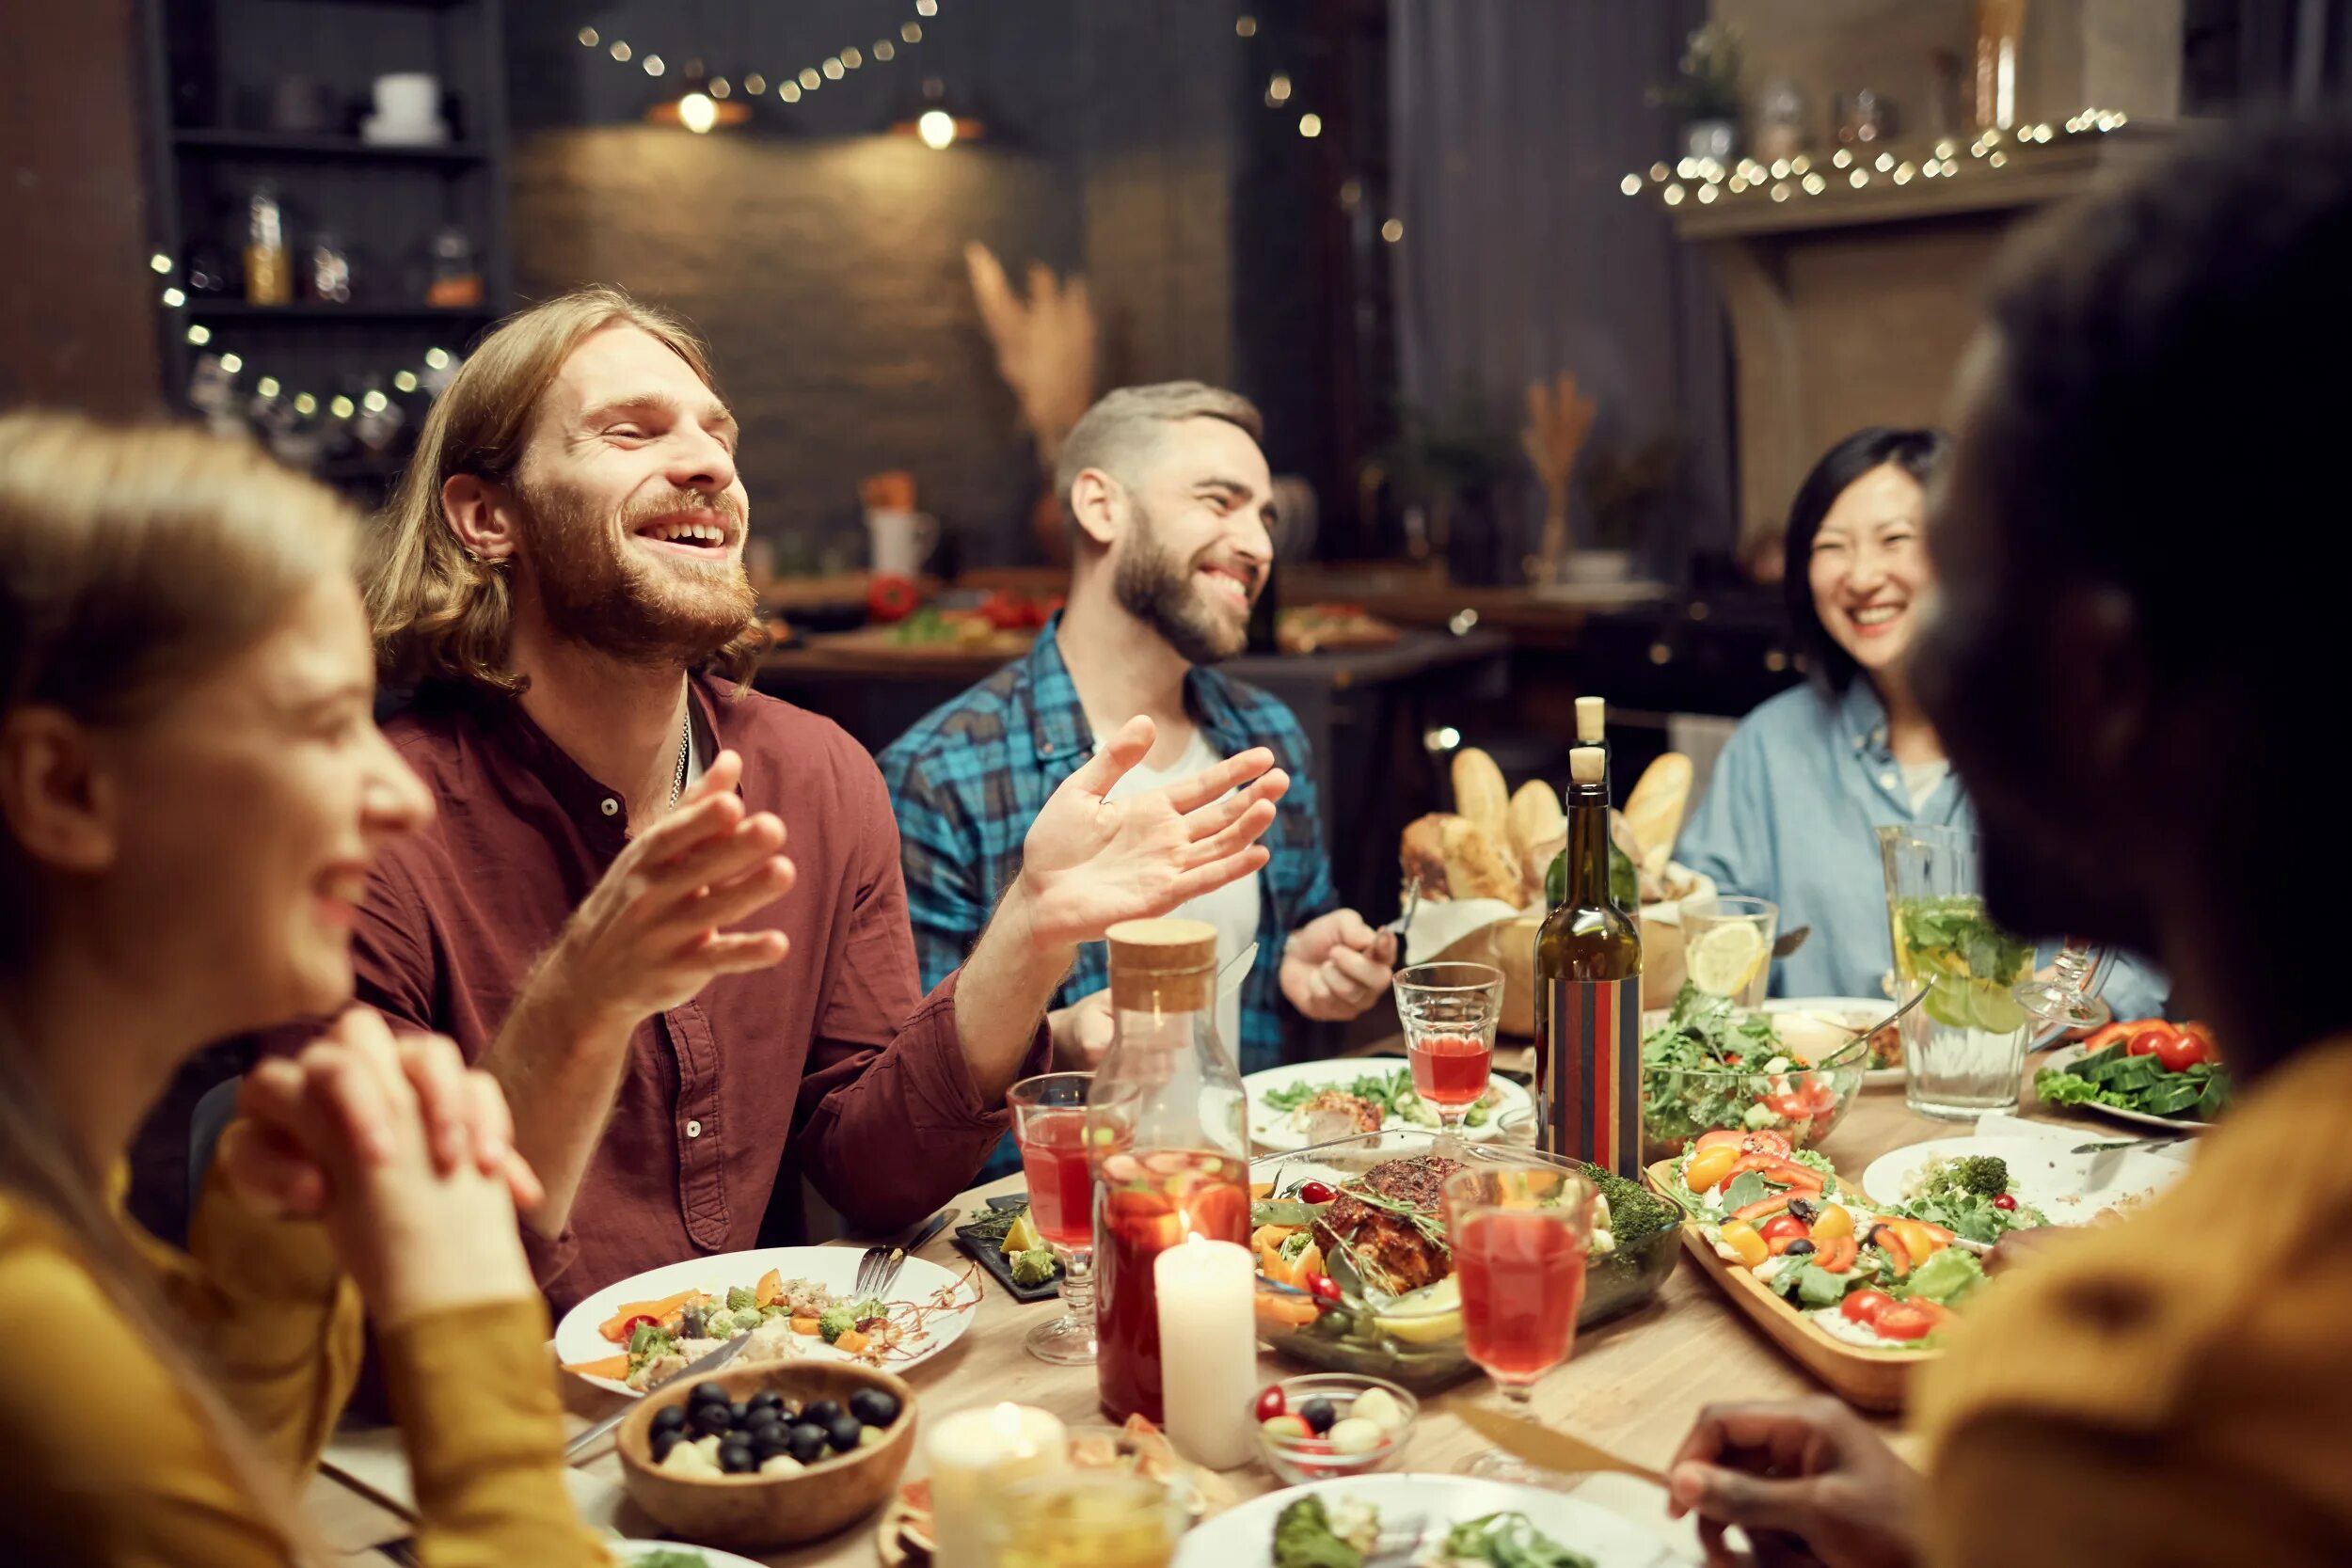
(1428, 1316)
(1948, 1002)
(1022, 1237)
(1725, 958)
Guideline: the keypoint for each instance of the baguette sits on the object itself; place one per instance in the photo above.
(1480, 795)
(1654, 810)
(1422, 854)
(1537, 826)
(1476, 867)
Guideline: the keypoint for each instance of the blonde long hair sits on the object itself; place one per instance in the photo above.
(440, 613)
(131, 562)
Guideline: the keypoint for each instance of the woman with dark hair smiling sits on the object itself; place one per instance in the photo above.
(1791, 808)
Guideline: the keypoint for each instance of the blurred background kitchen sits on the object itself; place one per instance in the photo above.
(1548, 303)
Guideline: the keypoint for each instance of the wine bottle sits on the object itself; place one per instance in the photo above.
(1588, 994)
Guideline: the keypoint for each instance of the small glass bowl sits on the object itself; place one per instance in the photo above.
(1298, 1460)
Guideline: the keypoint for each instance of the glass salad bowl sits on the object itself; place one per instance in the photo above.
(1708, 1065)
(1385, 1303)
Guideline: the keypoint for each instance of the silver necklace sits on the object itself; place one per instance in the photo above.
(685, 744)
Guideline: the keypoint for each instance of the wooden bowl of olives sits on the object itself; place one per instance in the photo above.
(768, 1455)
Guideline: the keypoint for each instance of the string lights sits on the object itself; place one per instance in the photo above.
(431, 370)
(1748, 180)
(791, 86)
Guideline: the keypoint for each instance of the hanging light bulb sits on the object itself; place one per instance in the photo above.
(698, 112)
(702, 105)
(937, 129)
(937, 122)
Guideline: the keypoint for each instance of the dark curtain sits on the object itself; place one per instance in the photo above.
(1512, 123)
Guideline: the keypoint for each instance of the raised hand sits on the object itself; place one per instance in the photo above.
(653, 932)
(1090, 862)
(1808, 1481)
(1336, 965)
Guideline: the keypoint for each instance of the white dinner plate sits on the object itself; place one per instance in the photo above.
(1856, 1011)
(833, 1267)
(2067, 1055)
(1243, 1537)
(2070, 1188)
(632, 1551)
(1272, 1129)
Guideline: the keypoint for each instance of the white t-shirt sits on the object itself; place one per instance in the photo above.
(1231, 909)
(1921, 779)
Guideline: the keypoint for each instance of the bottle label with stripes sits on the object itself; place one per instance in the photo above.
(1590, 1073)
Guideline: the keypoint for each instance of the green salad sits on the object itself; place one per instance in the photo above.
(2114, 1077)
(1972, 1196)
(1391, 1091)
(1712, 1065)
(1309, 1535)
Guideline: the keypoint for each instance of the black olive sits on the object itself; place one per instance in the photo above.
(874, 1407)
(823, 1413)
(670, 1417)
(707, 1393)
(1799, 1247)
(713, 1419)
(770, 1440)
(743, 1414)
(767, 1421)
(1801, 1209)
(806, 1442)
(766, 1398)
(664, 1441)
(1320, 1416)
(736, 1459)
(843, 1432)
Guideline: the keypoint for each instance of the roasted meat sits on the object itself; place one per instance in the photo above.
(1396, 1254)
(1330, 1113)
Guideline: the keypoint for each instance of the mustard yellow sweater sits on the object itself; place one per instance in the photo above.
(108, 1463)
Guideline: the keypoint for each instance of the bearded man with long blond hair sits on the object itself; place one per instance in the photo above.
(604, 913)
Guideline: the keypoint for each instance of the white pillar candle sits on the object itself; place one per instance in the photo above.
(975, 1455)
(1208, 1350)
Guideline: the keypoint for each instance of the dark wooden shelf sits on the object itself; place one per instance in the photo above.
(310, 310)
(279, 144)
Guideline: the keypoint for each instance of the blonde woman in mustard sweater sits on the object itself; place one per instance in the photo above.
(192, 788)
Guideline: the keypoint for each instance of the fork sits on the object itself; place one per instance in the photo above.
(1412, 903)
(878, 1270)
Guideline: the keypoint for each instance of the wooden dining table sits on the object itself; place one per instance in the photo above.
(1633, 1385)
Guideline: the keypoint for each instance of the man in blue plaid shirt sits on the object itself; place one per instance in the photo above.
(1168, 501)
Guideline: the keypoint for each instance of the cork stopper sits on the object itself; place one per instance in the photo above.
(1168, 966)
(1586, 764)
(1591, 716)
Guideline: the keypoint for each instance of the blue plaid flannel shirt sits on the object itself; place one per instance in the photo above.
(970, 777)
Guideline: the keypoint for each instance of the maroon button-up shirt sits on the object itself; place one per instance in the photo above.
(832, 1055)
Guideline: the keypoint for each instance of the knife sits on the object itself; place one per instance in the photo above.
(1236, 970)
(1554, 1451)
(693, 1370)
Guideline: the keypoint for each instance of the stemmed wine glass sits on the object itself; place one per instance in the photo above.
(1450, 1011)
(1519, 1228)
(2064, 1000)
(1049, 1123)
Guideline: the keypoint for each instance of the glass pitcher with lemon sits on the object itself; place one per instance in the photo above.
(1963, 1046)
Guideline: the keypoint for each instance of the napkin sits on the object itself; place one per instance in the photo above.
(2009, 1124)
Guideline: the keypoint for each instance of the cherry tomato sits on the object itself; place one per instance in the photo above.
(1866, 1307)
(1271, 1404)
(1005, 612)
(1742, 1239)
(1324, 1288)
(2004, 1202)
(1315, 1192)
(2204, 1031)
(1831, 1221)
(2181, 1052)
(2149, 1039)
(1766, 1141)
(891, 598)
(1782, 1227)
(1908, 1319)
(640, 1321)
(1709, 1167)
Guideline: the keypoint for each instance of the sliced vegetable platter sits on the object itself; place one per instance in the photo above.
(2145, 1071)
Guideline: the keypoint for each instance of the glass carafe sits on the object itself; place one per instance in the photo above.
(1963, 1046)
(1167, 1130)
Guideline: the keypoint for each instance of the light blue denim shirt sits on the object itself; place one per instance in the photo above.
(1790, 815)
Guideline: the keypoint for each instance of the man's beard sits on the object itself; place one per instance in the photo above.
(596, 594)
(1167, 597)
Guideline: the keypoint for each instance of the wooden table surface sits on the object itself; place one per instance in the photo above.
(1633, 1386)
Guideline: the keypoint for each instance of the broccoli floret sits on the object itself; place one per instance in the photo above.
(1303, 1538)
(650, 1341)
(718, 1324)
(742, 1299)
(1986, 1174)
(834, 1321)
(1033, 1267)
(1635, 1213)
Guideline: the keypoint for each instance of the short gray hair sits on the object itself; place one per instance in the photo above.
(1116, 432)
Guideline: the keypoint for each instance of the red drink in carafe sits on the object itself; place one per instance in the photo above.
(1148, 1203)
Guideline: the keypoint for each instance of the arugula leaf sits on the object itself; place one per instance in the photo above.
(1746, 1188)
(1508, 1540)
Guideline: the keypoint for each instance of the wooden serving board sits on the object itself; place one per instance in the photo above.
(1869, 1379)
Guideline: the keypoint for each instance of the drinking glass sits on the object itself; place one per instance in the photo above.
(1049, 1122)
(1084, 1519)
(1965, 1046)
(1449, 1012)
(1519, 1228)
(1728, 947)
(2064, 1000)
